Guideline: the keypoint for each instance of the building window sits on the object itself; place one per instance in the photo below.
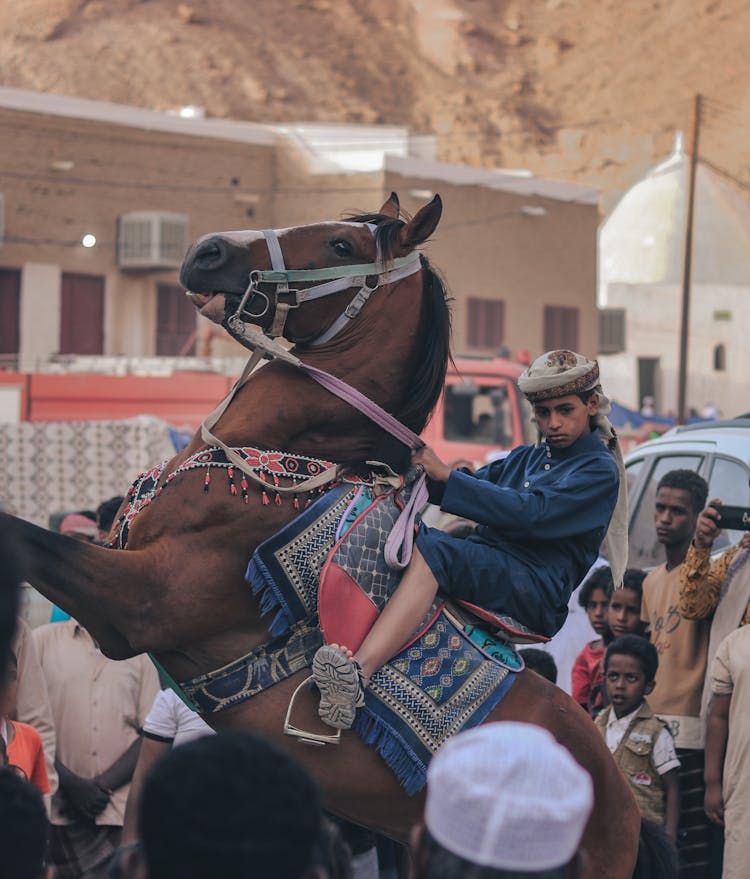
(10, 296)
(82, 314)
(560, 328)
(485, 325)
(176, 320)
(720, 358)
(611, 330)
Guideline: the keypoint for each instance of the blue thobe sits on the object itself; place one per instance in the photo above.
(542, 515)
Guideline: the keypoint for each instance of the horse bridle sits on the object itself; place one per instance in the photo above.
(336, 278)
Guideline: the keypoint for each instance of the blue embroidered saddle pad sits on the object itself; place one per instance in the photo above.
(441, 683)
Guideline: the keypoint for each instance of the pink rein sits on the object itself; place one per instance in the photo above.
(400, 543)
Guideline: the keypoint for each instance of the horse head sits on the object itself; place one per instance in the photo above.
(298, 282)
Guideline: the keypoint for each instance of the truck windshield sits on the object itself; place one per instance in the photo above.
(479, 413)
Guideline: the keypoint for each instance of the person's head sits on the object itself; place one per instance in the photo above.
(594, 595)
(9, 686)
(564, 391)
(79, 527)
(624, 612)
(541, 662)
(680, 496)
(105, 515)
(504, 800)
(630, 665)
(230, 805)
(23, 829)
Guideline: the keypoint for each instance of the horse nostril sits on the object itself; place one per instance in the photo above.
(209, 254)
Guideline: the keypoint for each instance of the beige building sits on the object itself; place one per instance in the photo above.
(99, 201)
(518, 253)
(641, 256)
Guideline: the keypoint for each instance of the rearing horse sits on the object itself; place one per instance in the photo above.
(178, 590)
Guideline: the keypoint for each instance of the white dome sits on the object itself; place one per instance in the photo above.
(643, 239)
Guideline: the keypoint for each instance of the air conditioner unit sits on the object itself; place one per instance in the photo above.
(151, 240)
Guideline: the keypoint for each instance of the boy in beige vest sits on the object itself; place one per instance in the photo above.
(641, 743)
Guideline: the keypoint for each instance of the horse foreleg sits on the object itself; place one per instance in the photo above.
(89, 582)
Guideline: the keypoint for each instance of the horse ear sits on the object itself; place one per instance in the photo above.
(423, 224)
(391, 207)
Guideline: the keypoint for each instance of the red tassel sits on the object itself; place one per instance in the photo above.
(243, 484)
(207, 480)
(277, 499)
(265, 498)
(232, 486)
(295, 502)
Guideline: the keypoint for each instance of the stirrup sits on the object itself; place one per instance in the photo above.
(307, 738)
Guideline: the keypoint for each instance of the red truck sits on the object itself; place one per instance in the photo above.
(481, 413)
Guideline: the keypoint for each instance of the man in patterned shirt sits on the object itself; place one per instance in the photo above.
(719, 590)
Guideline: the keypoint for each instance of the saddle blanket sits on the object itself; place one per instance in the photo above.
(442, 682)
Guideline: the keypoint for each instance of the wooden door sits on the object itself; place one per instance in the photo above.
(82, 314)
(176, 320)
(10, 297)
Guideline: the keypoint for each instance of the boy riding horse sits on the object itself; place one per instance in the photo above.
(542, 513)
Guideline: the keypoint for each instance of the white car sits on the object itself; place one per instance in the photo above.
(718, 450)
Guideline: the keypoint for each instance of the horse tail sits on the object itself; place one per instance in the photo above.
(657, 855)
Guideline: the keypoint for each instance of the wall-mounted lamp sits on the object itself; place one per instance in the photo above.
(88, 240)
(533, 210)
(421, 193)
(62, 165)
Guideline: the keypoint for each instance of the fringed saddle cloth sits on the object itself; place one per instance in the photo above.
(328, 566)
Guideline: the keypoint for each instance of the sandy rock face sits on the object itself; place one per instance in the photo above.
(590, 91)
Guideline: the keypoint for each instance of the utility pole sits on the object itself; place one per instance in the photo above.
(695, 123)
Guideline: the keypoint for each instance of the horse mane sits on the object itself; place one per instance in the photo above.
(433, 350)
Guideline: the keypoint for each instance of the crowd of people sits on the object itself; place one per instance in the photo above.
(107, 773)
(678, 636)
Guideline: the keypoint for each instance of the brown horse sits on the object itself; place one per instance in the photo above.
(178, 590)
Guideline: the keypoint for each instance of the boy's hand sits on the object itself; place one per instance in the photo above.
(709, 525)
(433, 466)
(713, 803)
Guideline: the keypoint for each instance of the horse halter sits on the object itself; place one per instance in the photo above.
(336, 278)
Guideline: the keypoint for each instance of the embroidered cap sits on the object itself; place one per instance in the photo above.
(509, 797)
(558, 374)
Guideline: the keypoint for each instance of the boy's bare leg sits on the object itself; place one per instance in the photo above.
(340, 674)
(400, 617)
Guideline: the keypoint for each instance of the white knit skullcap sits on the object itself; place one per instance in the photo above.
(509, 797)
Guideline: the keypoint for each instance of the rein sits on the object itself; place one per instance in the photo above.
(399, 546)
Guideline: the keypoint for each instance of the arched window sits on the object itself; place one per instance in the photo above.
(720, 358)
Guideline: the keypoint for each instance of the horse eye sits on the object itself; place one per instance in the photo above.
(341, 247)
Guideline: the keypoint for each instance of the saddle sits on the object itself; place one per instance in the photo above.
(324, 576)
(356, 581)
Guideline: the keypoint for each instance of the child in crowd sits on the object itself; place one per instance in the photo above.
(541, 662)
(727, 771)
(624, 614)
(623, 618)
(23, 744)
(594, 599)
(641, 743)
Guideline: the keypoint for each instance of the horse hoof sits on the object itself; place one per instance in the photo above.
(338, 679)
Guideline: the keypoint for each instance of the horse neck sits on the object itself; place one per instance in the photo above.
(280, 407)
(378, 351)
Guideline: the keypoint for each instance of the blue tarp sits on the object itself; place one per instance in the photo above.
(621, 416)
